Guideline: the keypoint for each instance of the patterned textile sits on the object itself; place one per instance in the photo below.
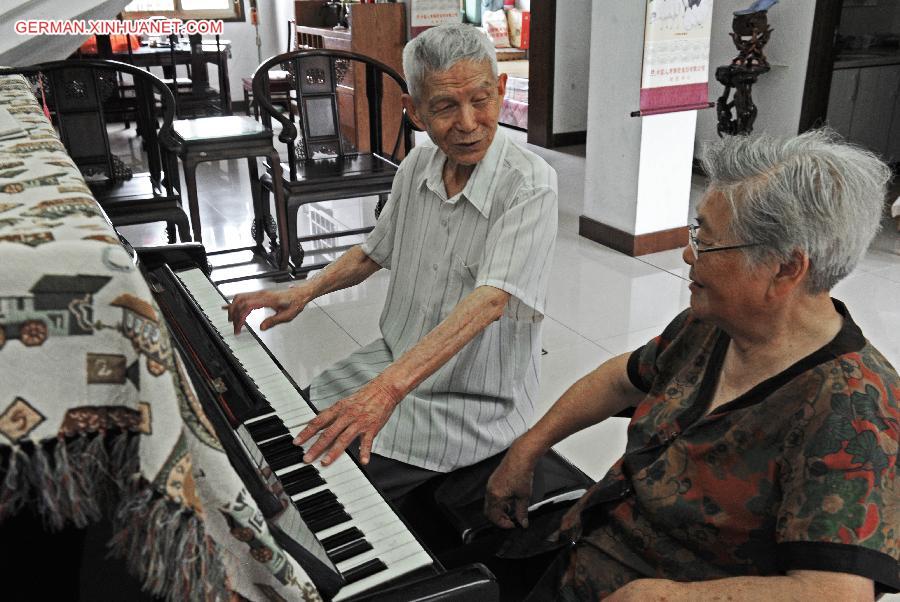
(799, 473)
(515, 113)
(97, 415)
(517, 89)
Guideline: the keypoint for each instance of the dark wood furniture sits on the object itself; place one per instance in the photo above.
(447, 513)
(215, 52)
(324, 160)
(279, 82)
(235, 137)
(198, 97)
(279, 92)
(78, 93)
(377, 31)
(170, 72)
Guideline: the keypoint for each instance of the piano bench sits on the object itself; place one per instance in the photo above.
(472, 583)
(459, 497)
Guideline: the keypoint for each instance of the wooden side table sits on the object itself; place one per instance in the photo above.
(236, 137)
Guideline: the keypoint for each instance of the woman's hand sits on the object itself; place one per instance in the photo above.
(509, 490)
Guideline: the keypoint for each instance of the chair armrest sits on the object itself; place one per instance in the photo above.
(473, 583)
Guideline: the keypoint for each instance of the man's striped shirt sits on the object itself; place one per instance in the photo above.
(499, 231)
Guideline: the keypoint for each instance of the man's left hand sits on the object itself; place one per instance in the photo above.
(362, 414)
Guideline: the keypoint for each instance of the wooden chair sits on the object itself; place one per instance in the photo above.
(77, 94)
(279, 81)
(177, 84)
(193, 94)
(336, 133)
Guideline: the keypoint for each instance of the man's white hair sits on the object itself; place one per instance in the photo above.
(439, 48)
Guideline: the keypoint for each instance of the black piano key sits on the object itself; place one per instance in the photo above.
(304, 485)
(366, 569)
(273, 453)
(323, 513)
(316, 500)
(347, 552)
(270, 420)
(301, 480)
(284, 459)
(303, 472)
(342, 538)
(279, 448)
(267, 429)
(328, 521)
(268, 433)
(276, 445)
(262, 410)
(273, 419)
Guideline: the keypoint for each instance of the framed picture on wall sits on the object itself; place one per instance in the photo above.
(430, 13)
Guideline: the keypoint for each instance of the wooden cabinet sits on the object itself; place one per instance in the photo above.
(874, 107)
(377, 31)
(864, 107)
(893, 143)
(841, 99)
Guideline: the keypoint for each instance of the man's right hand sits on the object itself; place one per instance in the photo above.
(509, 491)
(287, 304)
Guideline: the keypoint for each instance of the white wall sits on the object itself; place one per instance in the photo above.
(281, 11)
(779, 93)
(639, 168)
(273, 15)
(570, 80)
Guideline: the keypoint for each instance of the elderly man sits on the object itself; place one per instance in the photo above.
(761, 459)
(467, 235)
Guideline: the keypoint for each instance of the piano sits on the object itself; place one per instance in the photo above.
(332, 520)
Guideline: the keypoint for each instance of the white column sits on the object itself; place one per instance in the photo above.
(638, 169)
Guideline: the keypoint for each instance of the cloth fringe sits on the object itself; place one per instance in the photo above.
(69, 480)
(79, 480)
(150, 532)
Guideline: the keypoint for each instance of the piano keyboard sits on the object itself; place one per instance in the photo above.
(359, 531)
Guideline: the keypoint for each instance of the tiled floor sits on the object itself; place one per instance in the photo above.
(601, 302)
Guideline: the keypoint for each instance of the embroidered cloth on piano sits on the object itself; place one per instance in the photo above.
(97, 415)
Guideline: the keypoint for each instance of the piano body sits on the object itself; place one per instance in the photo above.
(332, 520)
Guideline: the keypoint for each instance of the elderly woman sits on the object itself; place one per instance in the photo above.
(761, 457)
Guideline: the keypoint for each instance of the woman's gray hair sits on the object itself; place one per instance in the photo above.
(439, 48)
(813, 193)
